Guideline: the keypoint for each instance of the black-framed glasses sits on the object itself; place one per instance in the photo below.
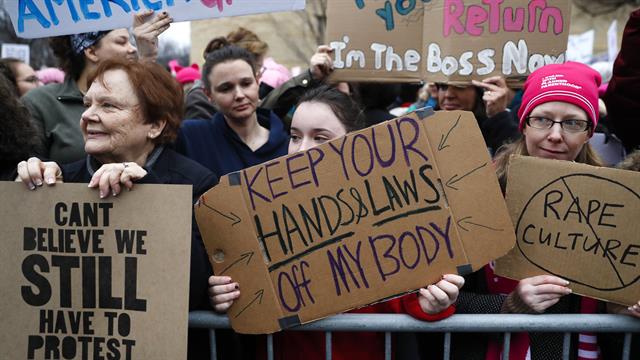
(569, 125)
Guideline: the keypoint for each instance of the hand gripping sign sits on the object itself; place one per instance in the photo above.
(374, 214)
(578, 222)
(43, 18)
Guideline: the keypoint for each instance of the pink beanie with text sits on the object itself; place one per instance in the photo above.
(571, 82)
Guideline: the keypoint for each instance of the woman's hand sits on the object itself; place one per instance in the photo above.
(496, 94)
(633, 310)
(321, 63)
(222, 293)
(438, 297)
(146, 32)
(34, 172)
(110, 177)
(537, 294)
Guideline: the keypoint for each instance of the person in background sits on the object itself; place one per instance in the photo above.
(324, 114)
(240, 135)
(375, 98)
(21, 75)
(556, 119)
(132, 111)
(488, 100)
(56, 108)
(18, 138)
(187, 76)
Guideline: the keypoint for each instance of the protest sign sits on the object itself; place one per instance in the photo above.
(17, 51)
(578, 222)
(43, 18)
(84, 278)
(445, 40)
(371, 215)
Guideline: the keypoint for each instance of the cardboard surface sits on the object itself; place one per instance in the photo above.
(69, 289)
(372, 215)
(578, 222)
(445, 40)
(43, 18)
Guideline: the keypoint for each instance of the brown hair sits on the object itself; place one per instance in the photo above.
(242, 38)
(8, 69)
(159, 94)
(631, 162)
(586, 156)
(222, 51)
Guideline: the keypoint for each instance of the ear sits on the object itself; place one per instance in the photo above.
(156, 129)
(90, 54)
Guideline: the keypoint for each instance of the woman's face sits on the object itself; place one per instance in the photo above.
(313, 123)
(456, 97)
(112, 124)
(556, 143)
(116, 44)
(234, 89)
(26, 78)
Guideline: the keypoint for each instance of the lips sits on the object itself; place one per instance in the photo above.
(449, 106)
(94, 134)
(242, 107)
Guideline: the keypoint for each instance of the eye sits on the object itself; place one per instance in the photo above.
(321, 138)
(295, 138)
(224, 88)
(247, 82)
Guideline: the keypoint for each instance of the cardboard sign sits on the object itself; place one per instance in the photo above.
(368, 216)
(445, 40)
(43, 18)
(578, 222)
(84, 278)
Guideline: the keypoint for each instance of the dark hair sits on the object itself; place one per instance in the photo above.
(159, 94)
(8, 69)
(342, 105)
(222, 51)
(71, 63)
(18, 138)
(376, 95)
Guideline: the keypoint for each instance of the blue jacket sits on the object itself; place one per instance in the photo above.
(217, 147)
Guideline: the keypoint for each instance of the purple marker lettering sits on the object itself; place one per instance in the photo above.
(271, 181)
(406, 147)
(313, 162)
(354, 158)
(392, 156)
(408, 234)
(340, 152)
(423, 239)
(250, 189)
(291, 171)
(445, 235)
(396, 267)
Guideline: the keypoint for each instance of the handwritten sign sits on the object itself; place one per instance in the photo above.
(578, 222)
(43, 18)
(87, 278)
(18, 51)
(371, 215)
(445, 40)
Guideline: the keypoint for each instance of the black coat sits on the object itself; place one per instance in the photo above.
(172, 168)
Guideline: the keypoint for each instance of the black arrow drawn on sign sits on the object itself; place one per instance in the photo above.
(233, 217)
(258, 297)
(455, 178)
(444, 138)
(247, 256)
(465, 220)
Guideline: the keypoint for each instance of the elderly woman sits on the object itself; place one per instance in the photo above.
(132, 110)
(55, 109)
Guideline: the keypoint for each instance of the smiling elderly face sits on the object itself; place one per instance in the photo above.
(112, 125)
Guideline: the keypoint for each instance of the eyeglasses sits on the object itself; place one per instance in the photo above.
(570, 125)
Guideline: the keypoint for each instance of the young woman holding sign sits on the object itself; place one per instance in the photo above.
(557, 118)
(324, 114)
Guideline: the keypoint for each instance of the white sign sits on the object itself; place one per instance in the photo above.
(580, 47)
(17, 51)
(612, 40)
(44, 18)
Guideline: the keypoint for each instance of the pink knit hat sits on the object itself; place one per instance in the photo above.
(188, 74)
(571, 82)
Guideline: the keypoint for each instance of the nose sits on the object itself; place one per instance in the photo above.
(132, 49)
(239, 93)
(555, 133)
(306, 144)
(88, 115)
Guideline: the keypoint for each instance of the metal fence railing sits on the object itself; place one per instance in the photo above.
(500, 323)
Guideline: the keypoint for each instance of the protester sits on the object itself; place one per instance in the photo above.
(18, 139)
(324, 114)
(240, 135)
(133, 110)
(55, 109)
(488, 100)
(51, 75)
(375, 98)
(197, 103)
(21, 75)
(557, 118)
(187, 76)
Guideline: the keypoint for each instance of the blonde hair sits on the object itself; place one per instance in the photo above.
(501, 160)
(248, 40)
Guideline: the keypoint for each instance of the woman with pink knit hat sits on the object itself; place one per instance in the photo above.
(557, 118)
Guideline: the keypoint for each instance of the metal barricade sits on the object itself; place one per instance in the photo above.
(500, 323)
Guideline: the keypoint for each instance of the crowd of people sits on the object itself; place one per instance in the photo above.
(118, 119)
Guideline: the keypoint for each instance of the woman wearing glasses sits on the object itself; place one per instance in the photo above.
(557, 118)
(22, 76)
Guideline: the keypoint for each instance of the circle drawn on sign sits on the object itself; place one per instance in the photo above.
(565, 186)
(218, 256)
